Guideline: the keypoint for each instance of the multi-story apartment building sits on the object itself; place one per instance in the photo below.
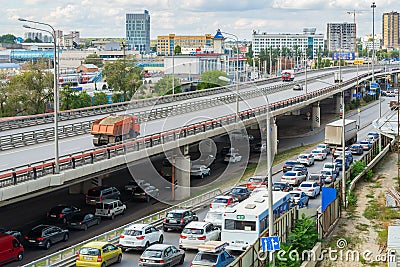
(307, 41)
(341, 36)
(390, 30)
(166, 44)
(137, 28)
(366, 42)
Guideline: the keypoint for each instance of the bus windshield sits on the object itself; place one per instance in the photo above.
(240, 225)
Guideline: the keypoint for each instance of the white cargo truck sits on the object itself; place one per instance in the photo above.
(333, 132)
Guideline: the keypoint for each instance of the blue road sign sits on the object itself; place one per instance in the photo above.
(374, 85)
(357, 95)
(270, 243)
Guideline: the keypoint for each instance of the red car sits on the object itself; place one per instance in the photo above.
(256, 181)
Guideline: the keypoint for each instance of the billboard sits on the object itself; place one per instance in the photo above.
(343, 55)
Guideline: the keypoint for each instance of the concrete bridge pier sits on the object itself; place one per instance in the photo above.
(395, 79)
(274, 136)
(338, 105)
(316, 116)
(182, 177)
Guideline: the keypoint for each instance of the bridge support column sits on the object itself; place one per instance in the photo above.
(80, 188)
(395, 79)
(182, 177)
(316, 116)
(338, 104)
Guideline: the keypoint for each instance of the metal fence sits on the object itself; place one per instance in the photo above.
(67, 257)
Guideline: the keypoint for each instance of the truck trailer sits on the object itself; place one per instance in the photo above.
(333, 132)
(114, 128)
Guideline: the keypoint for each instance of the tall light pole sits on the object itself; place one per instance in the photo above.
(373, 6)
(236, 73)
(55, 95)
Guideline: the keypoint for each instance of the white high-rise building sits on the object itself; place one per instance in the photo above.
(307, 41)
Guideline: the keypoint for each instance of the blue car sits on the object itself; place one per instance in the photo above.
(339, 162)
(299, 198)
(357, 149)
(367, 145)
(212, 253)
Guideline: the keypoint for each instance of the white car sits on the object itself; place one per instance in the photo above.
(197, 233)
(318, 154)
(311, 189)
(331, 167)
(233, 157)
(261, 188)
(294, 177)
(221, 202)
(214, 217)
(306, 159)
(325, 147)
(199, 171)
(140, 236)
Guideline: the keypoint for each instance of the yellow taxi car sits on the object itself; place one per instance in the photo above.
(99, 254)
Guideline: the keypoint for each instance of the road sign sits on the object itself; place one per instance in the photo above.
(270, 243)
(343, 55)
(374, 85)
(358, 62)
(357, 95)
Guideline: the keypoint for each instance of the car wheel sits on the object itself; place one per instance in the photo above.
(182, 259)
(147, 245)
(103, 264)
(202, 176)
(66, 237)
(307, 203)
(98, 221)
(20, 256)
(119, 258)
(165, 229)
(161, 239)
(113, 217)
(64, 220)
(147, 198)
(47, 245)
(85, 227)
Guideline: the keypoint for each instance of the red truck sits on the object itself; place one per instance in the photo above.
(114, 128)
(287, 75)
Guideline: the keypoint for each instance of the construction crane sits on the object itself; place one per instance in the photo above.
(354, 12)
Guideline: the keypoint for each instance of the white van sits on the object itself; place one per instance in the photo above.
(109, 208)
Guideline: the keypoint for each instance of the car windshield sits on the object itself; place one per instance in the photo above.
(90, 251)
(151, 253)
(193, 231)
(255, 180)
(174, 215)
(305, 185)
(57, 209)
(328, 166)
(364, 142)
(238, 190)
(205, 257)
(316, 151)
(214, 215)
(302, 157)
(313, 177)
(132, 232)
(326, 172)
(196, 167)
(295, 194)
(220, 200)
(290, 162)
(290, 174)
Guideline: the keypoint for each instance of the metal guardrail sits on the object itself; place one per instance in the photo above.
(27, 121)
(47, 134)
(36, 170)
(67, 257)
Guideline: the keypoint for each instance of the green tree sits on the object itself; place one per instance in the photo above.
(83, 100)
(164, 86)
(177, 50)
(7, 39)
(67, 97)
(100, 98)
(210, 79)
(116, 97)
(29, 92)
(123, 76)
(94, 59)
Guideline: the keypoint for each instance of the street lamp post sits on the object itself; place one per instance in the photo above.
(236, 73)
(55, 95)
(373, 6)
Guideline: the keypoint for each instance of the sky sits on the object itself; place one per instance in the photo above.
(106, 18)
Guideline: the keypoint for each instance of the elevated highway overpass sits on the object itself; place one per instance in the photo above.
(176, 130)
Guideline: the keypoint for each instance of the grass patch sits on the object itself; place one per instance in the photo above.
(376, 211)
(382, 236)
(362, 227)
(370, 196)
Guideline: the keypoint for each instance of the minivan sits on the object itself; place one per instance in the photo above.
(10, 249)
(101, 193)
(109, 208)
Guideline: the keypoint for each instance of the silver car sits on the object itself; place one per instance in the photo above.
(161, 255)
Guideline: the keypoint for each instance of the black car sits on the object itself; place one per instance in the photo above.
(146, 193)
(282, 186)
(178, 219)
(82, 221)
(62, 213)
(240, 192)
(289, 165)
(14, 233)
(46, 235)
(101, 193)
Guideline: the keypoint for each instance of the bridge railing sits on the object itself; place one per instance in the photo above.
(39, 169)
(67, 257)
(26, 121)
